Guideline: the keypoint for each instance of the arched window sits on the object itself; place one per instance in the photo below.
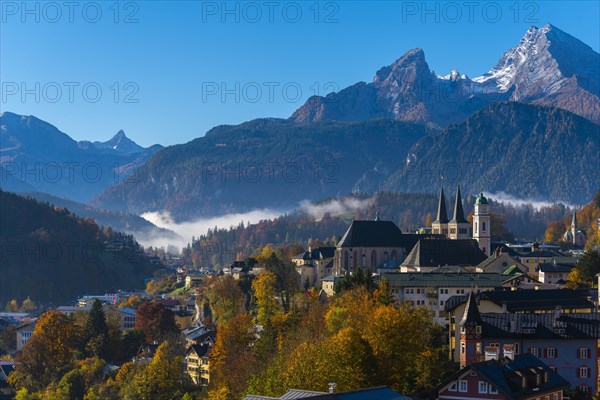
(373, 260)
(475, 227)
(483, 226)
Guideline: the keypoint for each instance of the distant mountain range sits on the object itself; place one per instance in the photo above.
(266, 163)
(36, 156)
(527, 128)
(548, 67)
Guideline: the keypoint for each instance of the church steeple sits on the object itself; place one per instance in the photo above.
(459, 214)
(471, 330)
(440, 225)
(458, 227)
(471, 316)
(442, 214)
(574, 228)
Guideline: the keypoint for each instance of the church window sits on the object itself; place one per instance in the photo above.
(483, 226)
(373, 259)
(475, 227)
(345, 259)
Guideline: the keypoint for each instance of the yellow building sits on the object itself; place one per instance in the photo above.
(198, 364)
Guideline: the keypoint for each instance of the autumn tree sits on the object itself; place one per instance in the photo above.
(27, 304)
(47, 355)
(264, 297)
(161, 379)
(286, 278)
(156, 321)
(232, 357)
(12, 306)
(555, 231)
(584, 273)
(225, 297)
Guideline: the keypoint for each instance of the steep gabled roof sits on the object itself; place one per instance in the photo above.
(459, 214)
(471, 317)
(442, 214)
(372, 234)
(507, 374)
(439, 252)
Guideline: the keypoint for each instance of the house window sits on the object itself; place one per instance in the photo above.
(584, 353)
(483, 387)
(478, 329)
(493, 389)
(463, 386)
(478, 348)
(551, 352)
(517, 348)
(583, 372)
(534, 351)
(462, 348)
(452, 387)
(555, 397)
(583, 388)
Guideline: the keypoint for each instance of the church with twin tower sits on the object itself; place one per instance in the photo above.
(458, 227)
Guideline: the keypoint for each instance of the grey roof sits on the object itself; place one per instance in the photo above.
(300, 394)
(372, 234)
(373, 393)
(438, 252)
(540, 253)
(545, 325)
(552, 268)
(444, 279)
(528, 299)
(380, 234)
(507, 375)
(499, 263)
(318, 253)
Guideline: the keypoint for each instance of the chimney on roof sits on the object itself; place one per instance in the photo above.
(509, 351)
(492, 353)
(331, 387)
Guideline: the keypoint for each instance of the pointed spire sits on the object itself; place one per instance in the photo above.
(377, 216)
(459, 214)
(471, 316)
(442, 214)
(574, 221)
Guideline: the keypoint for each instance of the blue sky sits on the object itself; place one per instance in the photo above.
(169, 71)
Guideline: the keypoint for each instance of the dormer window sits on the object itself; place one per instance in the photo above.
(478, 329)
